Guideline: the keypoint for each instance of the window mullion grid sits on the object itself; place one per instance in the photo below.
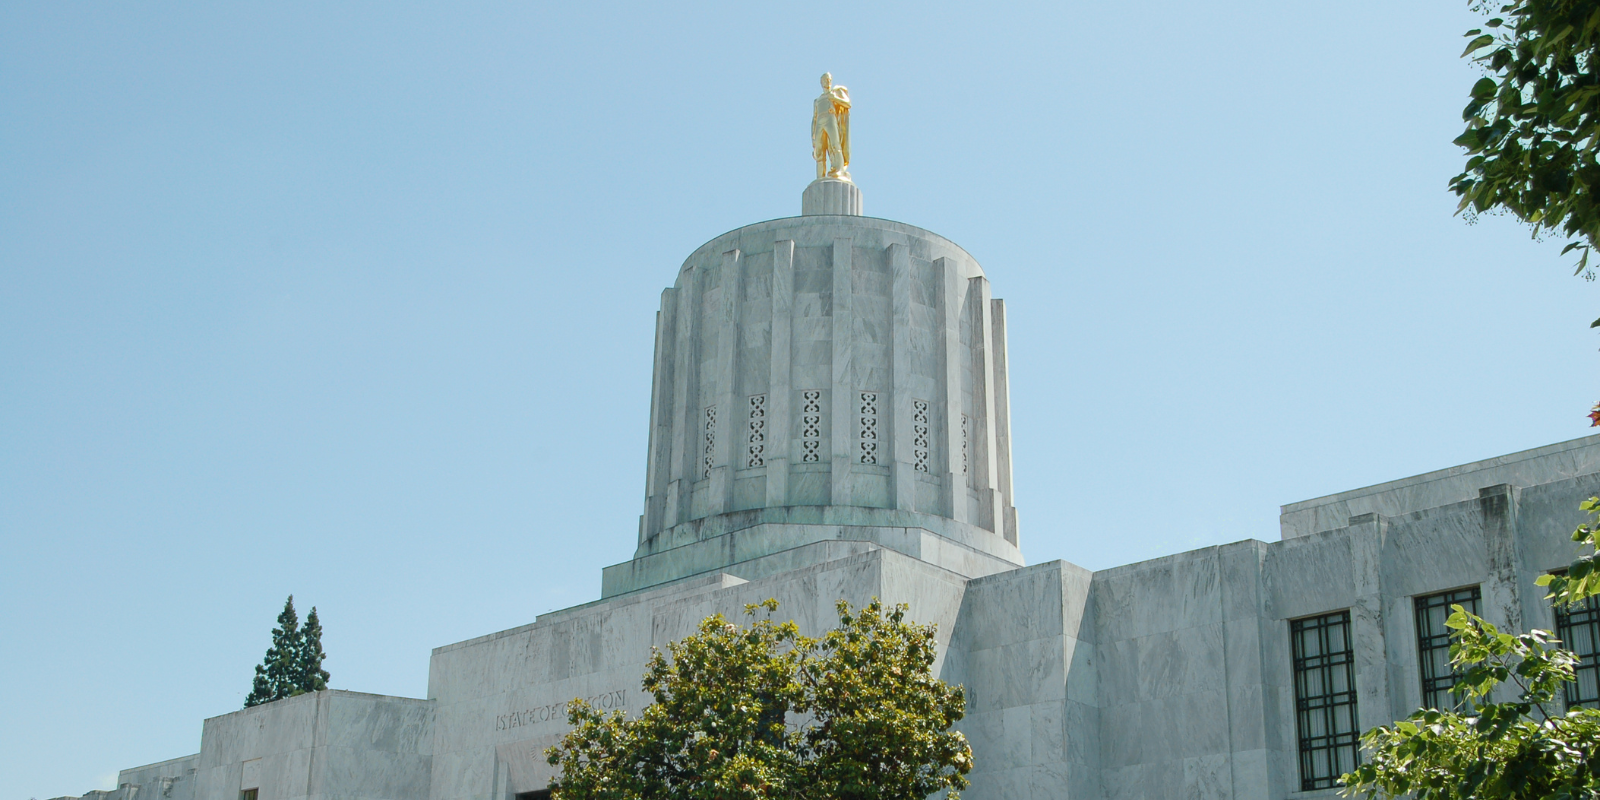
(1329, 749)
(1578, 628)
(1435, 673)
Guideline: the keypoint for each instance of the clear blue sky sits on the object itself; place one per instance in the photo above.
(356, 302)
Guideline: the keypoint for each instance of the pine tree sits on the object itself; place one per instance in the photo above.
(276, 674)
(260, 689)
(311, 677)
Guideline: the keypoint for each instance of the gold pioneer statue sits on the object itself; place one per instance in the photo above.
(830, 130)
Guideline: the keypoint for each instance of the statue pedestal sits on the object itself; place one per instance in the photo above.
(830, 196)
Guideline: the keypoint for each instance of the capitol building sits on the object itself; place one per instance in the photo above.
(829, 418)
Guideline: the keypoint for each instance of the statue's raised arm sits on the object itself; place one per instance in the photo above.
(830, 130)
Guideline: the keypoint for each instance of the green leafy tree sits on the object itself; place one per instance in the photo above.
(1533, 123)
(762, 712)
(277, 674)
(310, 676)
(1532, 133)
(1514, 750)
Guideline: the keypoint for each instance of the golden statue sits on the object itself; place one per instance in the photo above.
(830, 130)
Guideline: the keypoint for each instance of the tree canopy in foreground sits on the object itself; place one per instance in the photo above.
(1533, 123)
(756, 712)
(1525, 748)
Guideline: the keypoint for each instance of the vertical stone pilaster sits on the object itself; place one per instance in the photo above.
(901, 459)
(1502, 595)
(657, 467)
(720, 491)
(686, 372)
(985, 478)
(1368, 533)
(779, 425)
(1245, 628)
(1502, 601)
(844, 399)
(1007, 525)
(951, 290)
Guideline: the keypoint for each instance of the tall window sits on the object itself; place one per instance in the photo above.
(1324, 698)
(1578, 628)
(1433, 645)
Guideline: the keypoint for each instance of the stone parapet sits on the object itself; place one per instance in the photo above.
(1442, 487)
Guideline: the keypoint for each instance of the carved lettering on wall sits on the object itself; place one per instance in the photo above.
(557, 712)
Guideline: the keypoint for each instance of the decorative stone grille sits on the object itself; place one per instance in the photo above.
(869, 427)
(964, 427)
(710, 454)
(919, 435)
(811, 426)
(756, 447)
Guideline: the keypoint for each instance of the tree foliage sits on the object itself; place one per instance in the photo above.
(1498, 751)
(293, 664)
(1533, 123)
(310, 676)
(758, 712)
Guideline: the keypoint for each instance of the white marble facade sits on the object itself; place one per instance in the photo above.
(1163, 679)
(829, 361)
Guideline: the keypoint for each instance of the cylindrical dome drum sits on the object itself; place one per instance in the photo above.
(848, 369)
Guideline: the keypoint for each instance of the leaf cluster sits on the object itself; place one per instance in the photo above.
(1533, 123)
(1582, 577)
(758, 712)
(293, 664)
(1502, 751)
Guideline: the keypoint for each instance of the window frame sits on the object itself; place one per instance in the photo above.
(1340, 750)
(1430, 642)
(1588, 613)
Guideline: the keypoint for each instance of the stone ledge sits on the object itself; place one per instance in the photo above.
(977, 552)
(706, 528)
